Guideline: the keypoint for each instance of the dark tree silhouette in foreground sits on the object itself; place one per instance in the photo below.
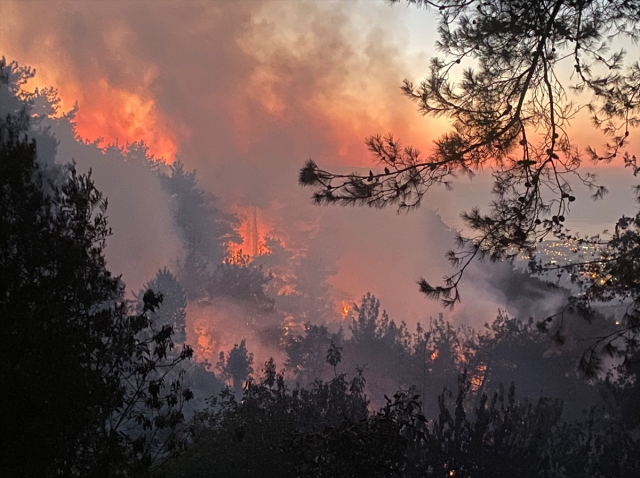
(510, 111)
(327, 429)
(174, 303)
(85, 390)
(236, 366)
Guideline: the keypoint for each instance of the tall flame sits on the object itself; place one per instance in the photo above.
(253, 230)
(122, 117)
(113, 116)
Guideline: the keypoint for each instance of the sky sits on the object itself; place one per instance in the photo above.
(246, 91)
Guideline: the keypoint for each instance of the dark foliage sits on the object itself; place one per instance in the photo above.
(236, 366)
(320, 430)
(85, 380)
(325, 430)
(505, 437)
(306, 353)
(206, 230)
(174, 303)
(513, 351)
(238, 279)
(299, 282)
(429, 359)
(510, 111)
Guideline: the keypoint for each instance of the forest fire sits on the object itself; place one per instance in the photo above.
(345, 309)
(288, 327)
(201, 329)
(478, 379)
(253, 230)
(111, 116)
(123, 117)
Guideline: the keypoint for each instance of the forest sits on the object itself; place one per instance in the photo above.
(231, 362)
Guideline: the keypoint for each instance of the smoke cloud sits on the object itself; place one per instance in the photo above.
(244, 92)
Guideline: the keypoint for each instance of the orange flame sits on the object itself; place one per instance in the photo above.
(434, 355)
(116, 116)
(345, 309)
(253, 229)
(109, 114)
(476, 380)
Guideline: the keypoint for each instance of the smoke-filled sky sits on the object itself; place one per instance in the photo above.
(245, 91)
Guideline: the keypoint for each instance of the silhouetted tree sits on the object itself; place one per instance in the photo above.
(504, 437)
(239, 279)
(429, 360)
(206, 230)
(306, 354)
(236, 366)
(510, 110)
(194, 272)
(86, 393)
(86, 387)
(299, 284)
(512, 351)
(326, 430)
(380, 346)
(312, 290)
(438, 356)
(275, 431)
(174, 303)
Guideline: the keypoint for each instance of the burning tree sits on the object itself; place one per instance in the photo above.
(509, 110)
(205, 228)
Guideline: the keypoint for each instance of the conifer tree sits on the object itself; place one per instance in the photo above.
(499, 81)
(85, 393)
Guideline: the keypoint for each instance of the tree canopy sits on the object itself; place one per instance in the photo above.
(174, 303)
(87, 390)
(504, 79)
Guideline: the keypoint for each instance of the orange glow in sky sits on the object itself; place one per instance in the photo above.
(125, 117)
(110, 115)
(309, 66)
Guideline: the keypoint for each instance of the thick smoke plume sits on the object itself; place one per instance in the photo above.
(243, 92)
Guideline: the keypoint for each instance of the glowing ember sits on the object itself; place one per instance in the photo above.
(434, 355)
(476, 380)
(289, 323)
(204, 340)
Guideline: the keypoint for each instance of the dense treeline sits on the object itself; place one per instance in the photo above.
(430, 358)
(100, 386)
(328, 430)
